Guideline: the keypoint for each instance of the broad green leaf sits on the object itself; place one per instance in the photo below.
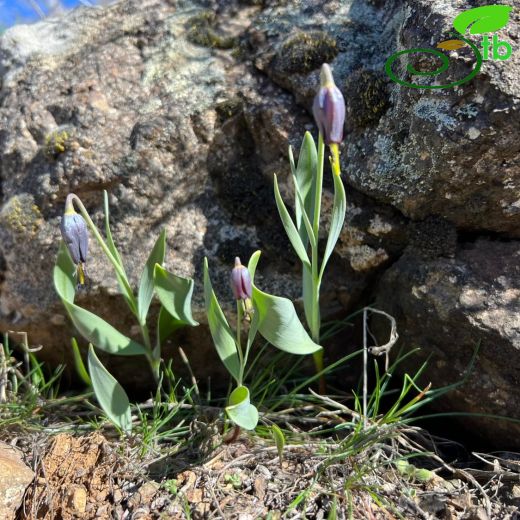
(289, 226)
(146, 284)
(279, 439)
(78, 363)
(63, 274)
(220, 331)
(110, 394)
(339, 208)
(175, 294)
(488, 18)
(102, 334)
(93, 328)
(166, 325)
(279, 324)
(240, 410)
(125, 291)
(305, 178)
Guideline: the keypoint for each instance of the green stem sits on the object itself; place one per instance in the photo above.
(315, 324)
(239, 342)
(315, 308)
(105, 248)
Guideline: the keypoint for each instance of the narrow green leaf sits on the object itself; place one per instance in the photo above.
(125, 291)
(93, 328)
(289, 226)
(309, 235)
(339, 209)
(79, 365)
(110, 394)
(484, 19)
(175, 294)
(220, 331)
(279, 324)
(253, 262)
(279, 440)
(146, 284)
(240, 410)
(305, 180)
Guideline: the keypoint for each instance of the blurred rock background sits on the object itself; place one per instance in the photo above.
(183, 110)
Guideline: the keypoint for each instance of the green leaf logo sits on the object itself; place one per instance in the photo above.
(489, 18)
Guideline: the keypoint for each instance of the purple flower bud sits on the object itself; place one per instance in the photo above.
(74, 232)
(241, 281)
(329, 108)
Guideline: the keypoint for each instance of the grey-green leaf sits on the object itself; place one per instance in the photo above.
(175, 294)
(484, 19)
(110, 394)
(146, 284)
(339, 208)
(240, 410)
(93, 328)
(289, 226)
(220, 331)
(279, 324)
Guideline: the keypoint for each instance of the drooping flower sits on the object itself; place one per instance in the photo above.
(241, 281)
(329, 108)
(74, 232)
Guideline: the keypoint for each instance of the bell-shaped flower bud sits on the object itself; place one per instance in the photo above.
(241, 281)
(329, 108)
(74, 232)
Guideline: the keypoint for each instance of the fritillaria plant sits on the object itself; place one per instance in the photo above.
(258, 312)
(173, 292)
(307, 175)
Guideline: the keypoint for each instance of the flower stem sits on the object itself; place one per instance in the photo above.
(315, 324)
(239, 341)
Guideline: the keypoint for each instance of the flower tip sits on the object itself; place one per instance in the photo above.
(326, 77)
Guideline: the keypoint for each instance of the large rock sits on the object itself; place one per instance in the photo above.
(450, 152)
(15, 476)
(449, 308)
(135, 99)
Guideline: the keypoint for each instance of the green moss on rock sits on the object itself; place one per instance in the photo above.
(305, 51)
(201, 31)
(367, 97)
